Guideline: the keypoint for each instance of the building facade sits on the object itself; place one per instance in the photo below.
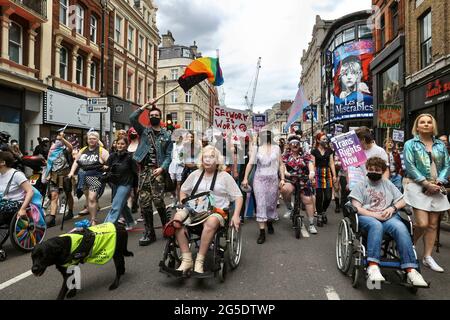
(132, 58)
(388, 65)
(346, 80)
(24, 67)
(276, 118)
(192, 110)
(310, 77)
(427, 62)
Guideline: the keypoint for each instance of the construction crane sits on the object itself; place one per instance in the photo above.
(255, 84)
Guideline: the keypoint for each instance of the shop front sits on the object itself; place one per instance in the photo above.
(431, 96)
(61, 108)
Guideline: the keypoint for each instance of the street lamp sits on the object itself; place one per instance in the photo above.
(328, 68)
(104, 4)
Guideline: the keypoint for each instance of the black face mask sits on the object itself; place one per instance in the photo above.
(374, 176)
(323, 143)
(133, 136)
(155, 122)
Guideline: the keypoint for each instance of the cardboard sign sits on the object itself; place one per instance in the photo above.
(389, 116)
(226, 118)
(398, 135)
(349, 150)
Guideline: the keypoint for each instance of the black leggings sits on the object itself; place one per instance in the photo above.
(323, 199)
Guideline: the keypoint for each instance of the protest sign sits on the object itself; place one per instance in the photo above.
(398, 135)
(355, 176)
(349, 150)
(226, 118)
(389, 116)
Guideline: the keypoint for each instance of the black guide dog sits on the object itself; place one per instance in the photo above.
(56, 251)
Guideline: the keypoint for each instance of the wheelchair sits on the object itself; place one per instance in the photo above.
(24, 233)
(351, 242)
(224, 251)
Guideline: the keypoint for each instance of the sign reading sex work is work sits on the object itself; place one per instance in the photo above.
(349, 149)
(226, 118)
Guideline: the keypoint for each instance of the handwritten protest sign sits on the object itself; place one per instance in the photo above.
(349, 150)
(389, 116)
(398, 135)
(226, 118)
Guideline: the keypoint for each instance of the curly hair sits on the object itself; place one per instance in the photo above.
(218, 157)
(376, 162)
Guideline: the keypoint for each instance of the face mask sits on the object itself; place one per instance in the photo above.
(374, 176)
(133, 136)
(155, 121)
(323, 143)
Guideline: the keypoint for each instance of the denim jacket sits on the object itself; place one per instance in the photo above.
(163, 142)
(418, 164)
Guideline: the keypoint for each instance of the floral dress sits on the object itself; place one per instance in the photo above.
(298, 166)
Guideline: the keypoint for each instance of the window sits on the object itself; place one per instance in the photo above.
(140, 47)
(425, 40)
(130, 38)
(395, 19)
(79, 70)
(186, 53)
(174, 117)
(93, 30)
(149, 90)
(129, 85)
(117, 71)
(15, 43)
(118, 35)
(174, 73)
(338, 40)
(63, 63)
(391, 85)
(349, 35)
(364, 32)
(382, 31)
(174, 97)
(139, 90)
(63, 11)
(189, 96)
(79, 19)
(149, 53)
(188, 120)
(93, 76)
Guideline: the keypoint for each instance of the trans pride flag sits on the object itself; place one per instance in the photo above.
(299, 103)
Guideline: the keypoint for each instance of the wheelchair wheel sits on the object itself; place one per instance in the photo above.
(26, 233)
(222, 271)
(171, 255)
(344, 246)
(298, 227)
(234, 247)
(355, 276)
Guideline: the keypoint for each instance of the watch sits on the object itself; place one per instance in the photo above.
(395, 208)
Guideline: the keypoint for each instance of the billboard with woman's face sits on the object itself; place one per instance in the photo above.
(352, 80)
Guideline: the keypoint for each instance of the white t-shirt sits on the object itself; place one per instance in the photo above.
(15, 192)
(225, 189)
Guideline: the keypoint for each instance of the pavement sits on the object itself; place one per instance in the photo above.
(283, 268)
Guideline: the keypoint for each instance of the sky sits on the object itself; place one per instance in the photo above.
(243, 30)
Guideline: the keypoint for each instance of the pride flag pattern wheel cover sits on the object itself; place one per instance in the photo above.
(30, 231)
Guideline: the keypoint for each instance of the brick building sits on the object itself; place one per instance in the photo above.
(388, 64)
(427, 61)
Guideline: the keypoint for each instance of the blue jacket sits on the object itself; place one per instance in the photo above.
(418, 164)
(163, 141)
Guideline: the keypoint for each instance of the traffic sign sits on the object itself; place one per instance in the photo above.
(97, 105)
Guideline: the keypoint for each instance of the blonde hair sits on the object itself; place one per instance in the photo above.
(416, 124)
(217, 155)
(93, 133)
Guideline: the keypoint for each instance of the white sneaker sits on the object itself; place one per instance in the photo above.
(312, 229)
(287, 215)
(140, 220)
(416, 279)
(430, 263)
(374, 274)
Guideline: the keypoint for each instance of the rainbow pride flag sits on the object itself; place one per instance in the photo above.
(299, 103)
(199, 70)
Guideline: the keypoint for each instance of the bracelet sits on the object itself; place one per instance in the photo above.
(395, 208)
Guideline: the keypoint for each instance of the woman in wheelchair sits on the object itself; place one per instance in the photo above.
(15, 193)
(377, 201)
(210, 177)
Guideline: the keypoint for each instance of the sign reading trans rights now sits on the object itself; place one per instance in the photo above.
(349, 150)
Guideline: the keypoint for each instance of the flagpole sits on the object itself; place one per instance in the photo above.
(163, 95)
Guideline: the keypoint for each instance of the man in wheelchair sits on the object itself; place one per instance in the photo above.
(222, 189)
(378, 202)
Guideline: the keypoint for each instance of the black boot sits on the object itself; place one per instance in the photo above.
(163, 216)
(262, 236)
(338, 206)
(270, 228)
(51, 222)
(69, 215)
(149, 235)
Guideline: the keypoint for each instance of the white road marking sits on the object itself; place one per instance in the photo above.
(331, 293)
(16, 279)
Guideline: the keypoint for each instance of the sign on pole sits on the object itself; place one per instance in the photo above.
(97, 105)
(398, 135)
(349, 150)
(389, 116)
